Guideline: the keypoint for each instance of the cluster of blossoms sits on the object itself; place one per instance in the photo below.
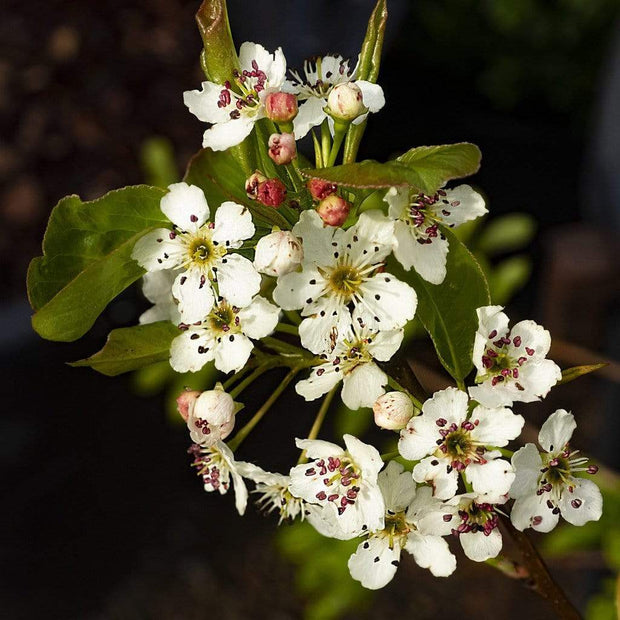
(328, 278)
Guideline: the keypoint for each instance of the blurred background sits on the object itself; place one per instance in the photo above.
(103, 516)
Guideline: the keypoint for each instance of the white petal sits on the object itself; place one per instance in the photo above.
(533, 336)
(449, 404)
(493, 395)
(431, 552)
(193, 291)
(294, 289)
(374, 564)
(321, 332)
(584, 503)
(557, 430)
(203, 103)
(241, 492)
(431, 516)
(367, 457)
(310, 115)
(258, 319)
(491, 320)
(495, 427)
(397, 487)
(527, 465)
(537, 377)
(233, 224)
(372, 94)
(418, 438)
(237, 279)
(370, 240)
(470, 205)
(222, 136)
(435, 472)
(478, 547)
(157, 285)
(156, 251)
(189, 353)
(321, 380)
(317, 449)
(317, 238)
(492, 478)
(533, 511)
(232, 352)
(363, 386)
(185, 206)
(386, 303)
(428, 259)
(385, 344)
(398, 200)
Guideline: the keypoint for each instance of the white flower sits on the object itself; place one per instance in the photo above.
(234, 108)
(339, 270)
(418, 241)
(343, 485)
(352, 362)
(511, 362)
(346, 102)
(275, 493)
(545, 485)
(478, 530)
(224, 336)
(157, 288)
(216, 464)
(278, 253)
(448, 440)
(414, 521)
(393, 410)
(319, 79)
(200, 250)
(211, 416)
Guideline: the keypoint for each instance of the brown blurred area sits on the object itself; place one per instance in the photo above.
(106, 520)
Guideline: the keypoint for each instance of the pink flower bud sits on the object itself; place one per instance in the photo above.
(282, 148)
(185, 401)
(281, 107)
(252, 183)
(278, 253)
(393, 410)
(334, 210)
(346, 102)
(271, 192)
(321, 189)
(212, 418)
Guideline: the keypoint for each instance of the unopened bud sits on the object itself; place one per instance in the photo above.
(333, 210)
(321, 189)
(345, 102)
(185, 401)
(252, 183)
(212, 417)
(393, 410)
(281, 107)
(282, 148)
(278, 253)
(271, 192)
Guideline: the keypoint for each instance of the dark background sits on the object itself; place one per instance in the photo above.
(103, 517)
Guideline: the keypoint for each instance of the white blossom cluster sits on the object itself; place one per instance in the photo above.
(453, 475)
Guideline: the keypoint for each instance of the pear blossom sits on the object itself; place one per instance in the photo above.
(546, 487)
(352, 362)
(217, 466)
(414, 521)
(393, 410)
(201, 252)
(157, 288)
(511, 362)
(418, 240)
(278, 253)
(446, 439)
(224, 336)
(345, 102)
(211, 416)
(233, 108)
(340, 281)
(342, 484)
(313, 89)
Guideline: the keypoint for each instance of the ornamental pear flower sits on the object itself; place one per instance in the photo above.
(352, 362)
(415, 522)
(333, 210)
(545, 486)
(281, 107)
(224, 336)
(216, 464)
(233, 108)
(185, 400)
(345, 102)
(201, 252)
(342, 484)
(320, 78)
(278, 253)
(320, 189)
(446, 439)
(211, 416)
(511, 362)
(393, 410)
(282, 148)
(418, 240)
(157, 288)
(271, 193)
(341, 269)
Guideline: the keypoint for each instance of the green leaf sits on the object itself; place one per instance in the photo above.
(87, 260)
(368, 69)
(448, 310)
(506, 233)
(570, 374)
(436, 165)
(130, 348)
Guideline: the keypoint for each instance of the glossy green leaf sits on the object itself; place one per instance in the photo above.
(87, 260)
(130, 348)
(448, 310)
(506, 233)
(570, 374)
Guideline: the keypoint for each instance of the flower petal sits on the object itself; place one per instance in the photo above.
(204, 103)
(310, 115)
(583, 503)
(431, 552)
(155, 251)
(222, 136)
(397, 487)
(190, 351)
(295, 288)
(439, 474)
(185, 206)
(492, 479)
(232, 352)
(367, 457)
(465, 204)
(372, 94)
(363, 385)
(385, 344)
(478, 547)
(495, 427)
(321, 380)
(527, 465)
(258, 319)
(233, 224)
(193, 291)
(556, 431)
(428, 259)
(237, 279)
(386, 303)
(374, 564)
(533, 511)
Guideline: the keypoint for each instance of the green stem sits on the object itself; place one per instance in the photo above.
(388, 456)
(318, 156)
(292, 316)
(397, 386)
(461, 385)
(256, 418)
(285, 328)
(505, 452)
(325, 143)
(285, 348)
(339, 134)
(318, 421)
